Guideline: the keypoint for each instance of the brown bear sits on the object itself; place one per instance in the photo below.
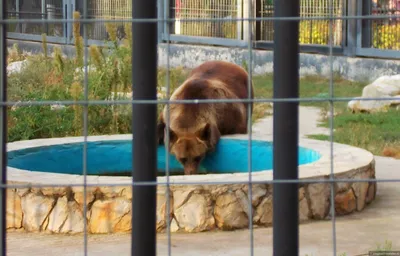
(195, 129)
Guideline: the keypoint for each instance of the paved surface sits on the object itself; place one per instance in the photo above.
(355, 234)
(308, 123)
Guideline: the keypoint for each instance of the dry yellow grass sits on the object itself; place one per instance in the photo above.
(391, 152)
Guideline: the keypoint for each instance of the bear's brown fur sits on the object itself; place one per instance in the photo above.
(195, 129)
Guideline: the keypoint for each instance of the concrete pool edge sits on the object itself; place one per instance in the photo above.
(194, 208)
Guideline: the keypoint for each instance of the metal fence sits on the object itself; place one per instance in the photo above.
(144, 31)
(385, 33)
(220, 9)
(372, 37)
(310, 31)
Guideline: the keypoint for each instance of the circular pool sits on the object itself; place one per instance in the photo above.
(114, 158)
(48, 195)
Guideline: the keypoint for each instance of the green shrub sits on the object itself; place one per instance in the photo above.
(53, 77)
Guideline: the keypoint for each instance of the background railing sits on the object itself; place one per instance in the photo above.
(370, 37)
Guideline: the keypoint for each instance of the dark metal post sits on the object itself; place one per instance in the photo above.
(144, 80)
(3, 126)
(258, 9)
(366, 25)
(350, 49)
(285, 129)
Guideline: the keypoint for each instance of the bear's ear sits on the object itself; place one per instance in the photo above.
(210, 134)
(204, 133)
(160, 131)
(172, 136)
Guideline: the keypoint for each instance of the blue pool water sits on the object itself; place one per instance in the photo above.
(115, 158)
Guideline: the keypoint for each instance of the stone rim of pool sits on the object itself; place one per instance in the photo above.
(54, 202)
(345, 158)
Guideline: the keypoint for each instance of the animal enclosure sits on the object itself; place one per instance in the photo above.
(142, 202)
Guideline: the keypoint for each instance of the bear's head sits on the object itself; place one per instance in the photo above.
(191, 148)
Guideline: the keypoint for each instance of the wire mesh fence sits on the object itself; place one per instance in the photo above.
(220, 9)
(376, 34)
(311, 31)
(115, 9)
(386, 33)
(38, 10)
(90, 103)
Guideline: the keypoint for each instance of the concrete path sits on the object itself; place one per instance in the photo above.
(355, 234)
(308, 123)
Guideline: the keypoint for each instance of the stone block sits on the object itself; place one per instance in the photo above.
(195, 214)
(304, 209)
(111, 215)
(345, 202)
(66, 217)
(371, 192)
(258, 192)
(361, 189)
(264, 212)
(36, 210)
(319, 194)
(14, 210)
(162, 209)
(229, 211)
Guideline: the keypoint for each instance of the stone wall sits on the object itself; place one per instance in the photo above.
(193, 208)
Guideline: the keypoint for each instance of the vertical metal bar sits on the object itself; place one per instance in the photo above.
(258, 9)
(18, 28)
(331, 93)
(70, 10)
(85, 119)
(167, 122)
(246, 27)
(167, 8)
(239, 24)
(160, 27)
(344, 24)
(352, 29)
(3, 127)
(65, 10)
(285, 129)
(45, 25)
(366, 33)
(249, 122)
(144, 151)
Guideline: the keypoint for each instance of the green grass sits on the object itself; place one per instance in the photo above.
(373, 132)
(312, 87)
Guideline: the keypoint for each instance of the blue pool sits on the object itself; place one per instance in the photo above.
(115, 158)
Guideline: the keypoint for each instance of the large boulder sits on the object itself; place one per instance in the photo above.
(383, 87)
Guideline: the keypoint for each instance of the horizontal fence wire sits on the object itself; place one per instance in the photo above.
(200, 101)
(169, 20)
(170, 183)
